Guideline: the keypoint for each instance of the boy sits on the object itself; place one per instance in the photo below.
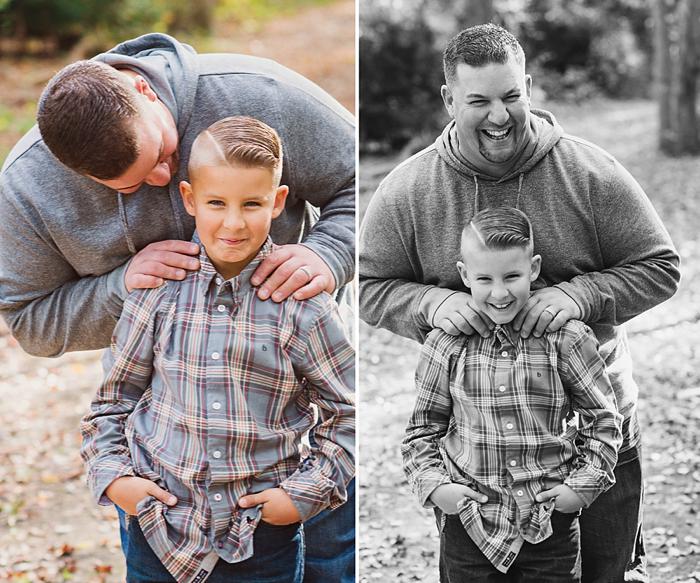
(488, 441)
(209, 389)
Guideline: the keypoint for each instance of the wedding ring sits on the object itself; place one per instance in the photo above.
(551, 311)
(306, 271)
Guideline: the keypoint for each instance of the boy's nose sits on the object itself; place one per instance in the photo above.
(234, 220)
(499, 292)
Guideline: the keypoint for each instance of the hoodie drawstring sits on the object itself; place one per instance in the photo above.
(125, 225)
(521, 178)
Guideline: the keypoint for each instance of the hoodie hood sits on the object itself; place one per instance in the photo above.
(169, 66)
(546, 133)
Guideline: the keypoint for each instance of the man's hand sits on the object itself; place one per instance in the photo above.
(126, 492)
(547, 309)
(457, 314)
(160, 261)
(292, 269)
(447, 496)
(278, 507)
(565, 499)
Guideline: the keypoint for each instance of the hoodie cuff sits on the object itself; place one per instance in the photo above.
(577, 295)
(430, 303)
(116, 289)
(332, 260)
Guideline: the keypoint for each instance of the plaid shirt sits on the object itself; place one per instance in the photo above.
(495, 414)
(208, 392)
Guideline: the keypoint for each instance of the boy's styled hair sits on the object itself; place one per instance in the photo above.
(478, 46)
(238, 141)
(500, 228)
(86, 115)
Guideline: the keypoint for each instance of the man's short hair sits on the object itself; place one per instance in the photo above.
(85, 117)
(478, 46)
(238, 141)
(500, 228)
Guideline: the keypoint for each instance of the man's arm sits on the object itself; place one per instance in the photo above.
(640, 265)
(320, 151)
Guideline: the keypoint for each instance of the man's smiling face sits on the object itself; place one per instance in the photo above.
(491, 108)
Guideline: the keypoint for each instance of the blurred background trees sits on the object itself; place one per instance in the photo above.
(576, 49)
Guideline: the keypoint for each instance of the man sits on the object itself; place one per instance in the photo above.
(79, 234)
(606, 256)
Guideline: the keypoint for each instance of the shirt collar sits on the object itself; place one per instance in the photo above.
(505, 332)
(241, 283)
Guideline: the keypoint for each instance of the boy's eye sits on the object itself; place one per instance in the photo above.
(252, 204)
(216, 203)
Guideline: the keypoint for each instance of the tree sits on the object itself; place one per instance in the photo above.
(676, 70)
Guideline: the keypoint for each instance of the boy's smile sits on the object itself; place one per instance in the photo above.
(499, 278)
(233, 207)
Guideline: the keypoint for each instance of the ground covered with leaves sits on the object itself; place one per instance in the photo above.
(50, 529)
(398, 540)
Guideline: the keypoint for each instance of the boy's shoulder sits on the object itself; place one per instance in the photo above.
(441, 345)
(571, 334)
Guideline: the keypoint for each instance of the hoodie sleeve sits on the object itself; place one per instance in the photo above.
(640, 262)
(390, 274)
(320, 149)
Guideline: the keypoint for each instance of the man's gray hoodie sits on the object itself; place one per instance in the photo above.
(600, 239)
(65, 240)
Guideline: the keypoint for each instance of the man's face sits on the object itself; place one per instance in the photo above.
(490, 106)
(233, 208)
(499, 279)
(157, 139)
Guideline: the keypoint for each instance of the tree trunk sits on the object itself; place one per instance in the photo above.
(687, 134)
(662, 75)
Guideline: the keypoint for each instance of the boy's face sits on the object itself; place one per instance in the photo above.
(499, 278)
(233, 208)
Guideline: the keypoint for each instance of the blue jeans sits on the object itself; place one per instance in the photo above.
(554, 560)
(278, 558)
(612, 546)
(329, 542)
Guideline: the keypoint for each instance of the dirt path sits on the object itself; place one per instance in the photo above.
(50, 529)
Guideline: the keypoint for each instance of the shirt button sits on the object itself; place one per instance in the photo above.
(513, 462)
(217, 454)
(220, 545)
(504, 353)
(502, 388)
(218, 281)
(509, 426)
(215, 355)
(216, 406)
(519, 492)
(218, 497)
(221, 308)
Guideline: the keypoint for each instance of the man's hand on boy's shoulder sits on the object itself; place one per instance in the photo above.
(127, 491)
(565, 499)
(159, 261)
(293, 269)
(547, 310)
(277, 506)
(455, 314)
(448, 496)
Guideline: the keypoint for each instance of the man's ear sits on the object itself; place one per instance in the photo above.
(187, 197)
(144, 88)
(535, 266)
(280, 198)
(447, 99)
(462, 268)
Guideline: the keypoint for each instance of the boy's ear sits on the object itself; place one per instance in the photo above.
(535, 267)
(462, 268)
(280, 198)
(187, 197)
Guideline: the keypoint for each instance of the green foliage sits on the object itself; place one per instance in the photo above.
(260, 10)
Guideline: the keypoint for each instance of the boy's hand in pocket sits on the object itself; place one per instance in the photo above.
(277, 509)
(127, 491)
(447, 496)
(565, 499)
